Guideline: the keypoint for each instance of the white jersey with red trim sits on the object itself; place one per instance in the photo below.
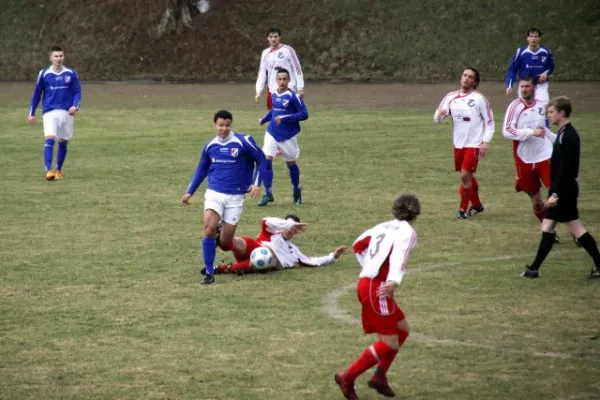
(383, 250)
(520, 121)
(472, 118)
(287, 253)
(273, 59)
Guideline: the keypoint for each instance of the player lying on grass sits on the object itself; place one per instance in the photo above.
(275, 234)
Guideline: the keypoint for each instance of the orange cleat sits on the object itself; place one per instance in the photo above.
(58, 175)
(50, 175)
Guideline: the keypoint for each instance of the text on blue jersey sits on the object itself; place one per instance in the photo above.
(528, 63)
(290, 107)
(58, 90)
(229, 165)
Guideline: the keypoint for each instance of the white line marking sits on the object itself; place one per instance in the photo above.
(331, 300)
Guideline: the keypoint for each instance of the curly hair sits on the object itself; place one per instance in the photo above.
(406, 207)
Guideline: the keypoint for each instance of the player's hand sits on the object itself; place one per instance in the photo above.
(543, 78)
(551, 202)
(300, 93)
(441, 112)
(254, 191)
(186, 198)
(339, 251)
(539, 132)
(260, 121)
(300, 227)
(387, 289)
(31, 120)
(278, 120)
(508, 90)
(72, 110)
(483, 150)
(257, 97)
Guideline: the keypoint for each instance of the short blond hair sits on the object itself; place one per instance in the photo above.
(561, 103)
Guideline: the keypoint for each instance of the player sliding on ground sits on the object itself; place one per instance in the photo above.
(275, 234)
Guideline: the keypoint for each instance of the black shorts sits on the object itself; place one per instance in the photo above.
(566, 209)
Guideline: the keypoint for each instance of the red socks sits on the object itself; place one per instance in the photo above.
(384, 364)
(465, 197)
(475, 202)
(243, 266)
(540, 213)
(373, 354)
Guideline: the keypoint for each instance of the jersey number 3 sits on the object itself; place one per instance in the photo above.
(373, 252)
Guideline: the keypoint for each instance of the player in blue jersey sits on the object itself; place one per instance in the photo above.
(58, 88)
(532, 60)
(281, 135)
(228, 161)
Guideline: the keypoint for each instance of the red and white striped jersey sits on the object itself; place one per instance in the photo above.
(472, 118)
(287, 253)
(273, 59)
(519, 124)
(383, 250)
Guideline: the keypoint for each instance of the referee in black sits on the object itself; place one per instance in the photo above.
(561, 205)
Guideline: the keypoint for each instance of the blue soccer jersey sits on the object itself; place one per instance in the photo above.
(290, 107)
(526, 62)
(229, 165)
(58, 90)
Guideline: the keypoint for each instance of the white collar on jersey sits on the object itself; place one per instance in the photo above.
(221, 140)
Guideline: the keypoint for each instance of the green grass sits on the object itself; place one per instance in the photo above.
(99, 293)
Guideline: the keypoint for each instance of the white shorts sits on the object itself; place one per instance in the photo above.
(289, 148)
(58, 123)
(228, 206)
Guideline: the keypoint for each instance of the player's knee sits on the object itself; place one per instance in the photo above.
(210, 231)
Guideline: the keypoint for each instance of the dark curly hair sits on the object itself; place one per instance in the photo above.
(406, 207)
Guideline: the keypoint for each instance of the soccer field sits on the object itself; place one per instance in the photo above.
(99, 281)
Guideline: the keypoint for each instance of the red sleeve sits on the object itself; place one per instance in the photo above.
(361, 245)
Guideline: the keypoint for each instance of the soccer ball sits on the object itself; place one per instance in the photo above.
(261, 258)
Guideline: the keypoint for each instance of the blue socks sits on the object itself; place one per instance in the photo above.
(48, 154)
(61, 155)
(268, 180)
(209, 251)
(294, 175)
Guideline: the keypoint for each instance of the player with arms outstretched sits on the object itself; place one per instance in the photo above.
(282, 135)
(383, 253)
(275, 57)
(228, 161)
(473, 123)
(59, 89)
(276, 234)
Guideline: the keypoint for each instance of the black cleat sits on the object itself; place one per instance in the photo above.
(208, 280)
(473, 211)
(595, 274)
(530, 273)
(462, 214)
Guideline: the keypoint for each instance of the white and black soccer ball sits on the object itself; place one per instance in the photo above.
(261, 258)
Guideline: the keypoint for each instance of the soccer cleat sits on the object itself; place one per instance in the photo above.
(595, 274)
(50, 175)
(530, 273)
(266, 199)
(346, 388)
(208, 280)
(462, 214)
(473, 211)
(298, 196)
(556, 238)
(381, 386)
(58, 175)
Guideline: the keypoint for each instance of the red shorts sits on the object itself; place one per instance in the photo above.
(530, 177)
(251, 244)
(379, 314)
(466, 158)
(269, 100)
